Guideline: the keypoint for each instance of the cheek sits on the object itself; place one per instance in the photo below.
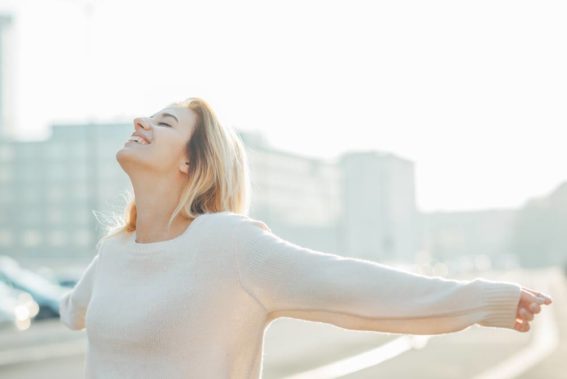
(167, 152)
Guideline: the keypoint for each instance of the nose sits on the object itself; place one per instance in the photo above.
(141, 122)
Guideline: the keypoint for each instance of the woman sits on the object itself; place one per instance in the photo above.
(186, 285)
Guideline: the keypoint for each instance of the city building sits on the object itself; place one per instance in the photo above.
(7, 74)
(55, 193)
(379, 218)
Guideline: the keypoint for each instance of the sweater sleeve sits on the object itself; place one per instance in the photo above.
(289, 280)
(73, 305)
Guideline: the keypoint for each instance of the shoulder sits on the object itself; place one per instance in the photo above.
(111, 242)
(237, 223)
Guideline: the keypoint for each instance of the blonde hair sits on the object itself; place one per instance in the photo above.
(218, 172)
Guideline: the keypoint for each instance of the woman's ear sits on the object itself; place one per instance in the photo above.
(184, 167)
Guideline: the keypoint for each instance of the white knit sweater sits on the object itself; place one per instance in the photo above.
(197, 306)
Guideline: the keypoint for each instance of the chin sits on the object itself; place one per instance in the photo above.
(124, 158)
(132, 162)
(120, 154)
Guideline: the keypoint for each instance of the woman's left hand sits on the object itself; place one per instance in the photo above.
(529, 305)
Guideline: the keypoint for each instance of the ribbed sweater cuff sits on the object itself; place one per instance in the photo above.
(501, 301)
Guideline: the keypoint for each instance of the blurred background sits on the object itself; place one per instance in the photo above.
(424, 135)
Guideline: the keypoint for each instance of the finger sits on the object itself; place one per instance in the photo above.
(522, 317)
(528, 298)
(525, 314)
(546, 298)
(532, 296)
(535, 308)
(522, 326)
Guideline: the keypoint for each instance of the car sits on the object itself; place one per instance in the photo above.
(46, 293)
(17, 308)
(63, 278)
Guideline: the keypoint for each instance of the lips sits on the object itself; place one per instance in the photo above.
(139, 138)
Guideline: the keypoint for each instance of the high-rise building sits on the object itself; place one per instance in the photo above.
(297, 196)
(379, 221)
(51, 190)
(7, 74)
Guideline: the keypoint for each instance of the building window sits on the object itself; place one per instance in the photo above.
(31, 237)
(78, 150)
(29, 173)
(79, 191)
(30, 216)
(6, 238)
(6, 195)
(79, 171)
(55, 216)
(55, 151)
(5, 174)
(57, 172)
(55, 194)
(82, 237)
(30, 194)
(57, 238)
(82, 217)
(6, 153)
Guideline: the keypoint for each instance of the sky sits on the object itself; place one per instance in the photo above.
(473, 93)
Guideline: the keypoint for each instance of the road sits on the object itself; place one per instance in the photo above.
(293, 346)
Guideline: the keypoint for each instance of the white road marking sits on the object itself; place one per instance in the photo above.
(545, 341)
(367, 359)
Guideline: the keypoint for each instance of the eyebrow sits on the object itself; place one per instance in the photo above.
(165, 114)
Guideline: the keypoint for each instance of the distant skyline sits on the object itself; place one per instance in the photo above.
(473, 93)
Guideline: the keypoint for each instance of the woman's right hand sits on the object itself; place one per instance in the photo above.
(529, 305)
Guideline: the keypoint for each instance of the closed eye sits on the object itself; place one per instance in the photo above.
(163, 123)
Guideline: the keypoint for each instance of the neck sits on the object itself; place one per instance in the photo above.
(156, 199)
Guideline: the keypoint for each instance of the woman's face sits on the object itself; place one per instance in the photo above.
(162, 139)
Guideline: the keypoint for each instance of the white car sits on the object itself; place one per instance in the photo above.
(17, 308)
(44, 292)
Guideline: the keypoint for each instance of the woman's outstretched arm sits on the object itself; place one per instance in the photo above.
(73, 305)
(289, 280)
